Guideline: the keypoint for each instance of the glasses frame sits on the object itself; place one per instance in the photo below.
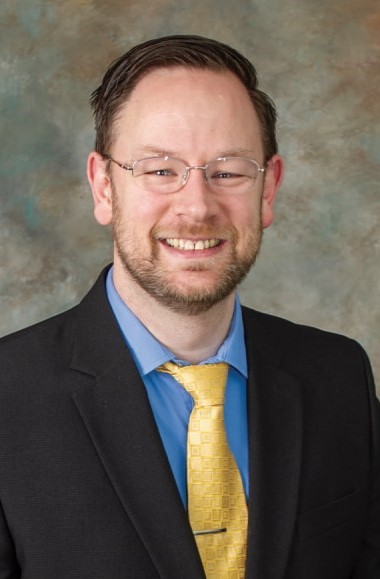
(188, 168)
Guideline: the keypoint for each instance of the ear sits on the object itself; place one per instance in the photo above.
(101, 188)
(273, 178)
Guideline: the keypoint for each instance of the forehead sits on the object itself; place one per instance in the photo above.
(192, 105)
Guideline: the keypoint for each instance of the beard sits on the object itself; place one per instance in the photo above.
(148, 272)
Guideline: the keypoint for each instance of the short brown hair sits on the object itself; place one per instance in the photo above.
(177, 51)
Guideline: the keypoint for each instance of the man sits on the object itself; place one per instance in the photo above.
(99, 449)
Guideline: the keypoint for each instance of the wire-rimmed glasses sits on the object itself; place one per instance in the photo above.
(169, 174)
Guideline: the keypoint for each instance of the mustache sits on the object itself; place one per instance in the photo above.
(202, 231)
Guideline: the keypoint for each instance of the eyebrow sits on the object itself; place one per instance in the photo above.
(237, 153)
(153, 150)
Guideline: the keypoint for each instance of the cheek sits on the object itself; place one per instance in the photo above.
(245, 213)
(139, 213)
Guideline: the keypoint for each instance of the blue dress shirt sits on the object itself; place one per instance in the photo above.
(171, 403)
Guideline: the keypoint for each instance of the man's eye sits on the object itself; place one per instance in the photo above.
(225, 175)
(162, 173)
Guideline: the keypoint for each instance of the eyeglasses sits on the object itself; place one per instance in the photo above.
(169, 174)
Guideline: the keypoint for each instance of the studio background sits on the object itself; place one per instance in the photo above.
(320, 62)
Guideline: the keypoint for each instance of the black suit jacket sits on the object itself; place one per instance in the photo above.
(86, 489)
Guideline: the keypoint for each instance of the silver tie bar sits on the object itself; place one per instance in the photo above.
(211, 531)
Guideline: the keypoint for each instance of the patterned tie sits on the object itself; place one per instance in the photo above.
(217, 504)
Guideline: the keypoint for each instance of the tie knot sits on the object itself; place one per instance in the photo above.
(206, 383)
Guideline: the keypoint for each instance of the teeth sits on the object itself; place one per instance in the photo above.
(188, 245)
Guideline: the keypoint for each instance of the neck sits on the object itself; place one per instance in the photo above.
(190, 338)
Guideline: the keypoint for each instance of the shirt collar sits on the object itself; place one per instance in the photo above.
(149, 353)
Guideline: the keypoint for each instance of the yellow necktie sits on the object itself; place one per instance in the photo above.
(217, 504)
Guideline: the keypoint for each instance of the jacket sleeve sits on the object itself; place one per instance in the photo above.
(368, 564)
(9, 568)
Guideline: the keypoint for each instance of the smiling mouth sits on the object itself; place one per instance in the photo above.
(189, 245)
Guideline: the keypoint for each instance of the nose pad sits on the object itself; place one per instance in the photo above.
(185, 177)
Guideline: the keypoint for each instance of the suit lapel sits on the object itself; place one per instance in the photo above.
(275, 426)
(116, 412)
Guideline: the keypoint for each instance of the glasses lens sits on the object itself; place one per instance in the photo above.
(235, 173)
(159, 174)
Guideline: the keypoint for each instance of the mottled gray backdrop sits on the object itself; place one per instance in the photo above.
(320, 61)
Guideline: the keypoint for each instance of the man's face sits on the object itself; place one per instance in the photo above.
(197, 116)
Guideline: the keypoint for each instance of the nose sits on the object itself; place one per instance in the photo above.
(195, 200)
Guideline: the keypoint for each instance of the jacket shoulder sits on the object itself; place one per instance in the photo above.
(281, 327)
(305, 348)
(39, 340)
